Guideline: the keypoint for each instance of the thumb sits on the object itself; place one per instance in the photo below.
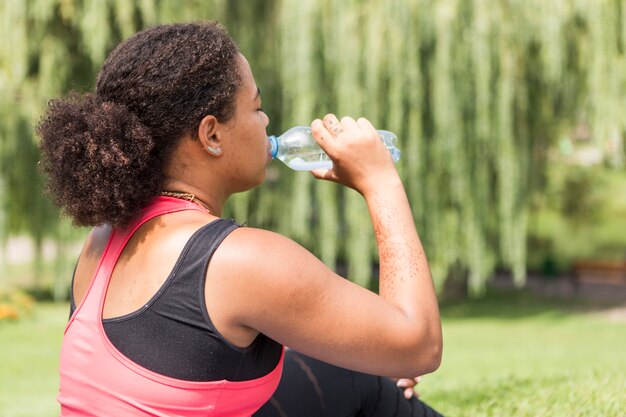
(324, 174)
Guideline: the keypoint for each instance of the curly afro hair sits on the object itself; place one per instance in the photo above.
(104, 153)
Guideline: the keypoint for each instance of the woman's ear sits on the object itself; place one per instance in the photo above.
(209, 135)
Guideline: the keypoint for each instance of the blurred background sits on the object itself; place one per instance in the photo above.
(510, 115)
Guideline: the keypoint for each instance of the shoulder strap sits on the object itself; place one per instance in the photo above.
(94, 297)
(194, 264)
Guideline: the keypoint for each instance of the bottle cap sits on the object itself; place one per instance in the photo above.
(273, 146)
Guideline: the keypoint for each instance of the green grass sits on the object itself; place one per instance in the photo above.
(29, 350)
(522, 357)
(510, 356)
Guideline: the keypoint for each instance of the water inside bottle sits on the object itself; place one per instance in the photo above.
(299, 164)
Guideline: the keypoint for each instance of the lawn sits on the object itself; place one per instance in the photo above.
(523, 357)
(504, 356)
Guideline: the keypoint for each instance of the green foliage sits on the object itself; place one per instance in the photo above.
(476, 91)
(580, 198)
(29, 381)
(582, 215)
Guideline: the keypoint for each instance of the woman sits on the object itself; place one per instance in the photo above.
(174, 128)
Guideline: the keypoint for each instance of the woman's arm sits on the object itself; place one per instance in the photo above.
(259, 281)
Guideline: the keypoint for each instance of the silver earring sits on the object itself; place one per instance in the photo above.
(214, 151)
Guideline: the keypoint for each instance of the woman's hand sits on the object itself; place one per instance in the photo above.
(360, 158)
(408, 386)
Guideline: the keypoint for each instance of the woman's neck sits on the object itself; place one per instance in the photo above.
(211, 201)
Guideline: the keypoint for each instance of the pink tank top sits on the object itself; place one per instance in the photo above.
(97, 380)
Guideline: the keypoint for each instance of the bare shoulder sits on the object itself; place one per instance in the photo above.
(253, 239)
(259, 261)
(94, 246)
(265, 268)
(90, 255)
(265, 253)
(256, 276)
(97, 240)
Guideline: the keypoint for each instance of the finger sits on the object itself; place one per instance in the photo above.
(333, 124)
(319, 131)
(408, 393)
(322, 136)
(348, 123)
(405, 383)
(366, 125)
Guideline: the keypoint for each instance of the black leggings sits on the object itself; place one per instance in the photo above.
(311, 388)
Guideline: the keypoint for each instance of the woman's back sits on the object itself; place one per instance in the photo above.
(126, 385)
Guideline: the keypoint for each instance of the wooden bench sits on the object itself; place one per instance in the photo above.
(600, 272)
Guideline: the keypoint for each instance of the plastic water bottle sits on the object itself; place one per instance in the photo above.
(297, 149)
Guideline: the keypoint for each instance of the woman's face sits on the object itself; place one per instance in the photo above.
(245, 140)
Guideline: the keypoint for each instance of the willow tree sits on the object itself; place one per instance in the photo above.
(477, 91)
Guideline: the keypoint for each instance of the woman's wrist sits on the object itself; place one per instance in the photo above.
(380, 186)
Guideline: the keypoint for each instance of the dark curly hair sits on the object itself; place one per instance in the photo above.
(104, 153)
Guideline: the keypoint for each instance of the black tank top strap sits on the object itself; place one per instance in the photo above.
(192, 267)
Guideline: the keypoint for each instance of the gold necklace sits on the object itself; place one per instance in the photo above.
(186, 196)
